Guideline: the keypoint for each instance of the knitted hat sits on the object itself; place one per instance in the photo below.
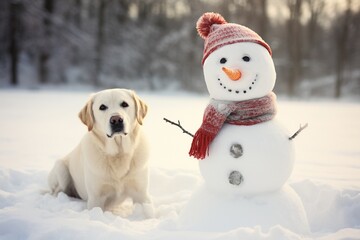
(216, 32)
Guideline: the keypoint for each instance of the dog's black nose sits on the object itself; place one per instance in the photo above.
(116, 120)
(116, 124)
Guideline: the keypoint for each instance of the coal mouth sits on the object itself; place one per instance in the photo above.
(239, 91)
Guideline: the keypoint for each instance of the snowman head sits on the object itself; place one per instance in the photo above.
(237, 62)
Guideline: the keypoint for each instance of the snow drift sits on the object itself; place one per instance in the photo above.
(38, 127)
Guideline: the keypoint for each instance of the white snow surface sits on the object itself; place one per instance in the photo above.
(39, 126)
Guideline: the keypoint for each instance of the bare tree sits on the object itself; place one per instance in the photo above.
(263, 19)
(14, 16)
(77, 16)
(316, 9)
(294, 43)
(45, 54)
(123, 10)
(342, 39)
(99, 43)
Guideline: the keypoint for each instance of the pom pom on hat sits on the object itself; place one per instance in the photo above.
(205, 22)
(216, 32)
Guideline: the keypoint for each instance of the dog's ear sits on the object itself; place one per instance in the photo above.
(86, 115)
(141, 108)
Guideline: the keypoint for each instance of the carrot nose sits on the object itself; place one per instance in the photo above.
(233, 74)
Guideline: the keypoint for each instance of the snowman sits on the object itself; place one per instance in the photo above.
(246, 155)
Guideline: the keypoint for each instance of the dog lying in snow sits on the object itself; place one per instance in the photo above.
(110, 163)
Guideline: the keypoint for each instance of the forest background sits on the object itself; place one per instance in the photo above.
(153, 44)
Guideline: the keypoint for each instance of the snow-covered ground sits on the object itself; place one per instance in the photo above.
(38, 127)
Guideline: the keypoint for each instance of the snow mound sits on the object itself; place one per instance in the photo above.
(328, 208)
(27, 212)
(207, 210)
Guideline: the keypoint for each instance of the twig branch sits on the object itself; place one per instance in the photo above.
(298, 131)
(179, 125)
(192, 135)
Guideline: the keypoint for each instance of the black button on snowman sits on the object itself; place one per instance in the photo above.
(235, 177)
(236, 150)
(246, 155)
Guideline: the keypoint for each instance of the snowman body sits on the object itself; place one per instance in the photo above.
(248, 160)
(246, 168)
(244, 184)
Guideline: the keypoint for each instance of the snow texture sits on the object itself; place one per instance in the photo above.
(38, 127)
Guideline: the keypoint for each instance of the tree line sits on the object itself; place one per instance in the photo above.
(153, 44)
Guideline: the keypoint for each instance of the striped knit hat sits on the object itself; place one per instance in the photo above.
(216, 32)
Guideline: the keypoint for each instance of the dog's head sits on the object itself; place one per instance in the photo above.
(113, 111)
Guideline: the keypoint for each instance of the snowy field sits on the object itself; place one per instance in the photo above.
(39, 126)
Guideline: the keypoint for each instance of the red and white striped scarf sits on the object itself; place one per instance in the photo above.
(246, 113)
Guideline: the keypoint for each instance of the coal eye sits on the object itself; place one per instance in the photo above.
(223, 60)
(124, 104)
(103, 107)
(246, 58)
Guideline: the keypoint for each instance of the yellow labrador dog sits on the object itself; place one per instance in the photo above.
(110, 163)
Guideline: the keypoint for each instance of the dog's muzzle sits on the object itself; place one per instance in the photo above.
(116, 124)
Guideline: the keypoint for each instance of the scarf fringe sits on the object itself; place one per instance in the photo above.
(201, 143)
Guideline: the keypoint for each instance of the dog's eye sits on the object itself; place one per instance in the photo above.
(124, 104)
(103, 107)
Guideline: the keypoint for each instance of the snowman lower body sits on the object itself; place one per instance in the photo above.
(244, 182)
